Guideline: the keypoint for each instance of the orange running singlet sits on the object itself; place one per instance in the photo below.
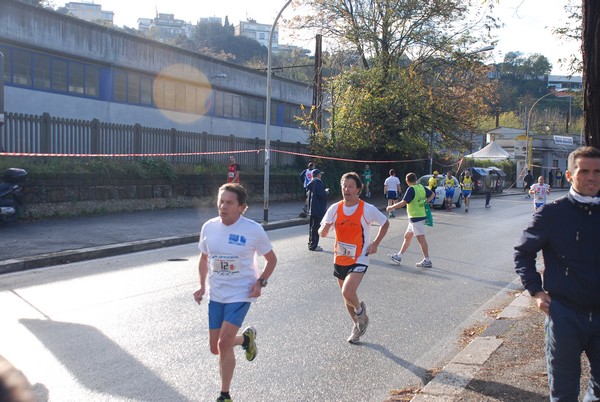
(349, 237)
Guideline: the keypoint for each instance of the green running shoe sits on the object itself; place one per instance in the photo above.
(251, 349)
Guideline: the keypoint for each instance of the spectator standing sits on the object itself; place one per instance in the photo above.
(567, 231)
(528, 180)
(233, 171)
(306, 176)
(414, 198)
(367, 176)
(432, 183)
(391, 189)
(229, 245)
(317, 196)
(490, 183)
(539, 191)
(352, 218)
(559, 178)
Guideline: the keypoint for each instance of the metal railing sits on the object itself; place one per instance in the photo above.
(29, 134)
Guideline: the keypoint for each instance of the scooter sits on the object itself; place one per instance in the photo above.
(11, 199)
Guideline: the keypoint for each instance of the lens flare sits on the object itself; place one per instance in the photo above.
(182, 93)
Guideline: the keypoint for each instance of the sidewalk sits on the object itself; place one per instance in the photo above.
(28, 245)
(504, 363)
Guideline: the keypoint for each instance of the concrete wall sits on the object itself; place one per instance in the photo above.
(54, 189)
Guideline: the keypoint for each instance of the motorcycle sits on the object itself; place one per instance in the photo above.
(11, 199)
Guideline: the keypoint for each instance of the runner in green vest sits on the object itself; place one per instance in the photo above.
(415, 197)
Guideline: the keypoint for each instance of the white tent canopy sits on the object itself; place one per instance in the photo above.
(491, 151)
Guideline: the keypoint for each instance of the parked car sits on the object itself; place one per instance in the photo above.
(440, 191)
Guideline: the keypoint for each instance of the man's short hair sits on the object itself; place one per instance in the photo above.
(354, 176)
(311, 165)
(238, 190)
(581, 152)
(411, 177)
(392, 172)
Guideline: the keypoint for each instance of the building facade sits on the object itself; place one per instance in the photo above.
(258, 32)
(546, 154)
(87, 10)
(70, 68)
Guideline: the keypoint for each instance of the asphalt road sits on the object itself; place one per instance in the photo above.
(125, 328)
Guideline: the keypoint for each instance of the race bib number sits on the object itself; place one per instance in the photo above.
(346, 249)
(231, 175)
(224, 264)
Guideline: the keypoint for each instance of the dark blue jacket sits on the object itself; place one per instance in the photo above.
(568, 233)
(317, 197)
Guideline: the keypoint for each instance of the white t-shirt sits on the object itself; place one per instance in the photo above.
(370, 214)
(540, 192)
(308, 176)
(392, 183)
(232, 257)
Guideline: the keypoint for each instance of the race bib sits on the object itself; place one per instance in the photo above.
(224, 264)
(231, 175)
(346, 249)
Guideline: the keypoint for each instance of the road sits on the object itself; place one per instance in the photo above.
(126, 328)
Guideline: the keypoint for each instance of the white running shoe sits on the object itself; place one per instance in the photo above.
(355, 335)
(424, 264)
(362, 320)
(396, 258)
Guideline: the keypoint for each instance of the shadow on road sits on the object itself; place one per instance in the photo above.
(98, 363)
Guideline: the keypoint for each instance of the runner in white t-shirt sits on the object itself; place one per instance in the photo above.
(391, 190)
(539, 191)
(229, 246)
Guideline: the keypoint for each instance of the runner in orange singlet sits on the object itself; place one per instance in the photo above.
(351, 218)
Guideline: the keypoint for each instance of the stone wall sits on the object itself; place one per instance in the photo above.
(59, 195)
(46, 188)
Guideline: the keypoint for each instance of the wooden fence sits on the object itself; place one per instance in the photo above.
(53, 135)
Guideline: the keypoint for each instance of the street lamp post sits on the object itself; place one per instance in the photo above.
(437, 77)
(268, 118)
(529, 157)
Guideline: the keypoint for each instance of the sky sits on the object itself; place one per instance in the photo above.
(527, 23)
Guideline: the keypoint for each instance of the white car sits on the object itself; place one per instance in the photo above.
(440, 191)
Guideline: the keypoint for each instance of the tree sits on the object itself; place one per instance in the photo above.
(389, 32)
(415, 73)
(373, 116)
(591, 71)
(571, 30)
(218, 41)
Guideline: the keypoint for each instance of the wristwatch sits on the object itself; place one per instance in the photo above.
(263, 282)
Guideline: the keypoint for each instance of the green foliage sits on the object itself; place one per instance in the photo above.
(508, 119)
(99, 166)
(219, 41)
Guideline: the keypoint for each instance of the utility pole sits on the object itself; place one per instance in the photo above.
(317, 109)
(1, 97)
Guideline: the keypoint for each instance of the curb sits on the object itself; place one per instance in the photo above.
(456, 375)
(90, 253)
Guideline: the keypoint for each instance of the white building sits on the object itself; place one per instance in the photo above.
(258, 32)
(547, 153)
(163, 27)
(89, 11)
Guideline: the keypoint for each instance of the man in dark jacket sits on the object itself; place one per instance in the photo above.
(528, 181)
(567, 231)
(317, 196)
